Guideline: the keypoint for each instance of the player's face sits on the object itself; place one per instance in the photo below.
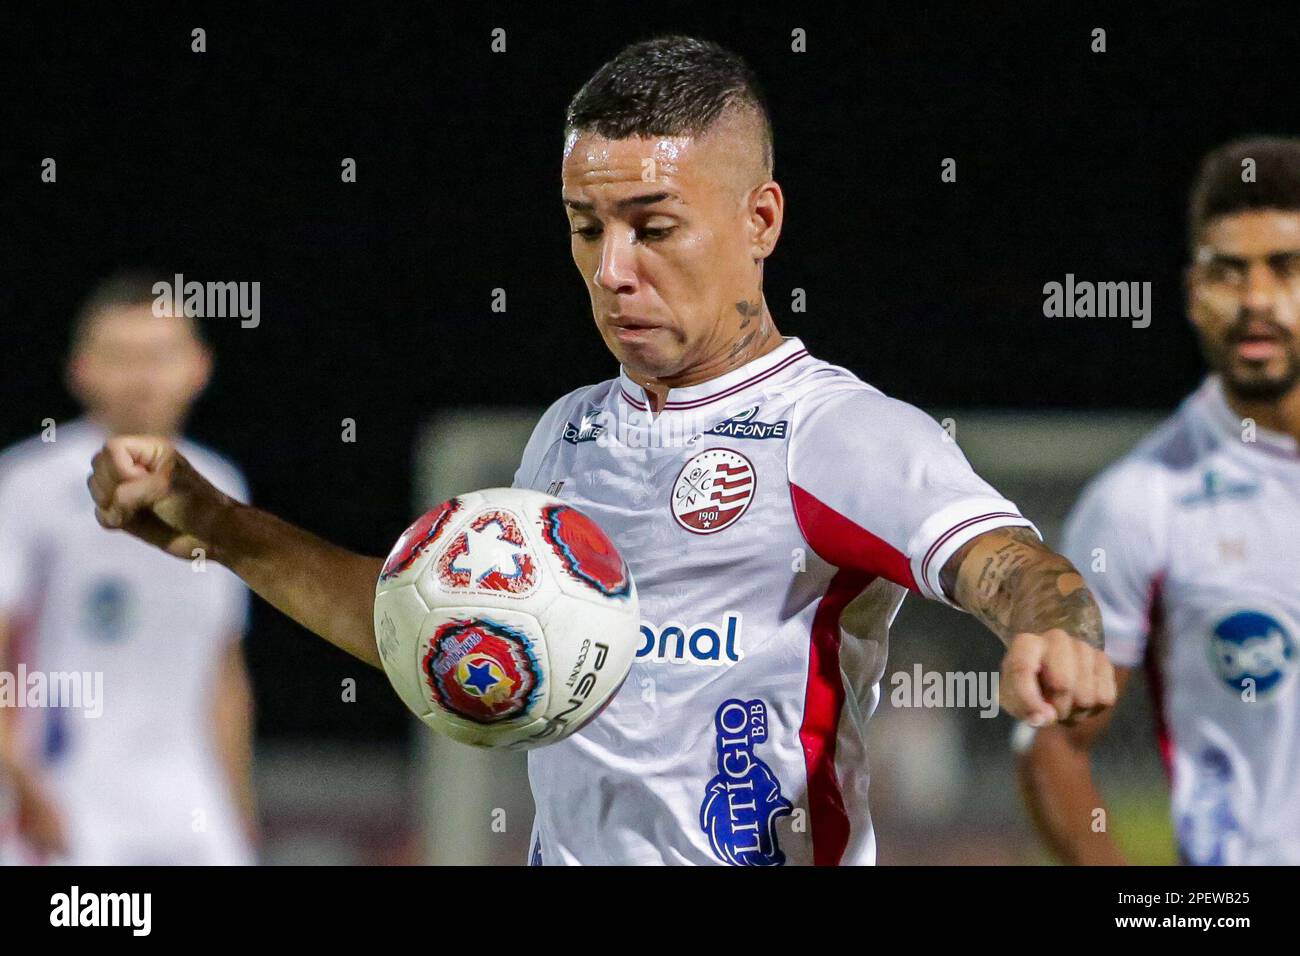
(1244, 300)
(664, 235)
(138, 372)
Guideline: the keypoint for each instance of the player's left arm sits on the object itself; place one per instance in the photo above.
(1035, 601)
(232, 721)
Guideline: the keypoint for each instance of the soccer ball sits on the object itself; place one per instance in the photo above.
(506, 618)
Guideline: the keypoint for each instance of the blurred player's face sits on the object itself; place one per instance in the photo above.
(1244, 300)
(669, 235)
(137, 372)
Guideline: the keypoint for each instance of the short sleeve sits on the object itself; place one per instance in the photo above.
(546, 434)
(18, 543)
(1112, 537)
(880, 488)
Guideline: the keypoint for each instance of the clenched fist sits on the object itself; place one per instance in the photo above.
(1054, 676)
(144, 486)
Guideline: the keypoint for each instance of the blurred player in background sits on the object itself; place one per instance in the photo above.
(1191, 543)
(162, 774)
(745, 481)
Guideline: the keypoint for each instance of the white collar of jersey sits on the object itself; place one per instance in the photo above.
(762, 369)
(1224, 420)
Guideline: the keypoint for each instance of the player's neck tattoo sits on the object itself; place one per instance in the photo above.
(756, 332)
(757, 336)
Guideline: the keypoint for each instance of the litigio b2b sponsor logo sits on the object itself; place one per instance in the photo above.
(743, 802)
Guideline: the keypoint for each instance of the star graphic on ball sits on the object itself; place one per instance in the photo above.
(487, 550)
(481, 677)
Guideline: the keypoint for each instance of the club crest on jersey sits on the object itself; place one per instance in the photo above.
(1214, 487)
(743, 802)
(482, 670)
(418, 538)
(744, 425)
(584, 550)
(106, 610)
(490, 556)
(713, 490)
(1254, 651)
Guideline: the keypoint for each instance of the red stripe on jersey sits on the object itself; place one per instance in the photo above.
(823, 702)
(846, 544)
(1156, 679)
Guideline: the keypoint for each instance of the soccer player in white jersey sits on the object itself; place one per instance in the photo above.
(773, 508)
(1191, 544)
(151, 763)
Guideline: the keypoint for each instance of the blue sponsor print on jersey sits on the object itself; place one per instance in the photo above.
(536, 858)
(1252, 649)
(706, 643)
(1215, 487)
(743, 802)
(1209, 823)
(105, 611)
(55, 744)
(745, 425)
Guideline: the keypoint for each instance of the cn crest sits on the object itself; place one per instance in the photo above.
(713, 490)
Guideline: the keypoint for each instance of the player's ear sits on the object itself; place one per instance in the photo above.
(766, 214)
(1189, 294)
(203, 364)
(75, 377)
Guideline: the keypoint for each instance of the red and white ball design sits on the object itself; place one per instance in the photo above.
(506, 618)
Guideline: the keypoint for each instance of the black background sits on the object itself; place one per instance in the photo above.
(376, 295)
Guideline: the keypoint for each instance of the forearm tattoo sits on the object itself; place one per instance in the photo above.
(1012, 583)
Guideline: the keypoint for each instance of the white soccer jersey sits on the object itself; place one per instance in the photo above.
(1191, 545)
(140, 783)
(773, 519)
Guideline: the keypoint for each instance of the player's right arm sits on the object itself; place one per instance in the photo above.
(1055, 773)
(142, 485)
(39, 821)
(1115, 537)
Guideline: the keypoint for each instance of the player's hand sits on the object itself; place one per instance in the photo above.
(1054, 676)
(39, 822)
(144, 486)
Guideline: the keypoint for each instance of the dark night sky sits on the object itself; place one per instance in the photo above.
(375, 296)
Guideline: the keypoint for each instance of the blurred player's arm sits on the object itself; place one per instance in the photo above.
(1055, 773)
(144, 486)
(39, 821)
(1035, 601)
(232, 716)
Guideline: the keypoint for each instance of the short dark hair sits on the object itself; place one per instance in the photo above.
(1220, 191)
(668, 86)
(120, 290)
